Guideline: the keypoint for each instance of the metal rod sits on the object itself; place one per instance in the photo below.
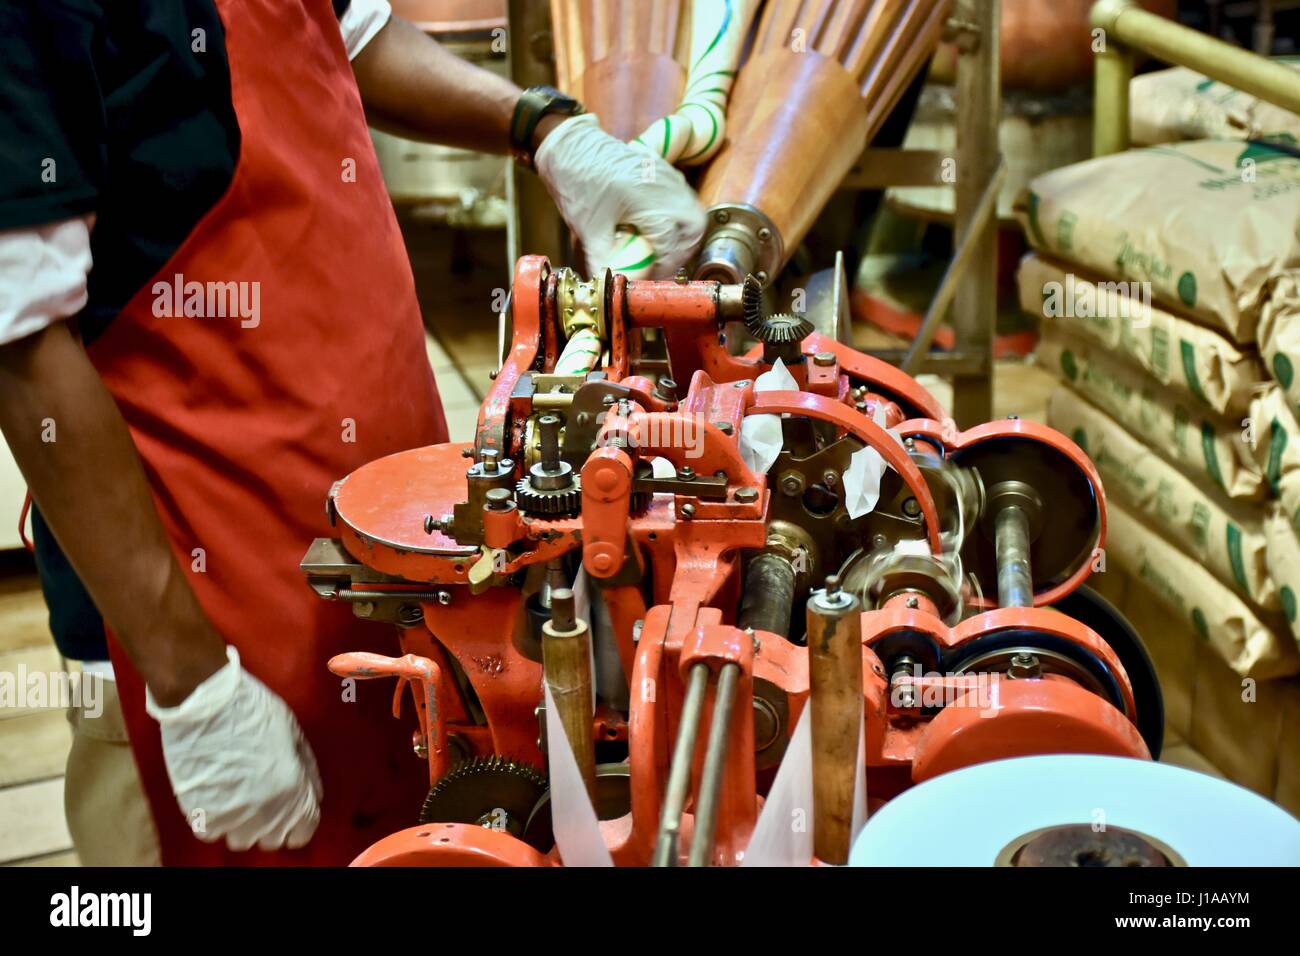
(679, 773)
(1011, 544)
(715, 761)
(1170, 42)
(835, 696)
(1110, 118)
(768, 596)
(966, 250)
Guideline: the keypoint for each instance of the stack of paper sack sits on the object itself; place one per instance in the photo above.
(1167, 281)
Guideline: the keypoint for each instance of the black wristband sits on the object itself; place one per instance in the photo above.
(535, 103)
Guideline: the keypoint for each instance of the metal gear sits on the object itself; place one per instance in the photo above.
(491, 791)
(551, 502)
(751, 304)
(782, 328)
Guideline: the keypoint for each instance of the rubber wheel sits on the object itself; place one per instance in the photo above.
(1093, 611)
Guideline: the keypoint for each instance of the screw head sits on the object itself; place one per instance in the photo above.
(499, 499)
(722, 216)
(444, 598)
(746, 495)
(688, 510)
(764, 234)
(686, 473)
(824, 359)
(912, 508)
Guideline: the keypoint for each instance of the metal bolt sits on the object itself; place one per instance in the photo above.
(746, 495)
(499, 499)
(791, 484)
(912, 508)
(830, 479)
(722, 216)
(764, 234)
(686, 473)
(444, 598)
(430, 525)
(913, 603)
(761, 276)
(420, 745)
(1024, 666)
(682, 277)
(824, 359)
(688, 510)
(363, 608)
(489, 461)
(743, 383)
(1014, 418)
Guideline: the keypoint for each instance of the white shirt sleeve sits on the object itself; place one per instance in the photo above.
(361, 21)
(43, 272)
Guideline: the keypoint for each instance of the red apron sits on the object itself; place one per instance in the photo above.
(243, 429)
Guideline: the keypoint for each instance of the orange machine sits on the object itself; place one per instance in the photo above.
(946, 625)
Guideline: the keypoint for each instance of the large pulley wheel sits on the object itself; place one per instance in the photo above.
(1100, 616)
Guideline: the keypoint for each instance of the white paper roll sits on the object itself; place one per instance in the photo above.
(968, 817)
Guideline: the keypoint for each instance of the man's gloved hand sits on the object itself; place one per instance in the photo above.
(601, 183)
(239, 764)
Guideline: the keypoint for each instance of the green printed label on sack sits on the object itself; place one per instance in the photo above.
(1199, 622)
(1288, 603)
(1283, 370)
(1276, 446)
(1188, 353)
(1235, 557)
(1200, 523)
(1211, 455)
(1069, 366)
(1187, 289)
(1160, 352)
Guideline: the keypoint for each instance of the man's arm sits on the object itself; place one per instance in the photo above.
(91, 488)
(412, 87)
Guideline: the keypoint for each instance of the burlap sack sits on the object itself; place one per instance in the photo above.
(1195, 362)
(1210, 448)
(1279, 334)
(1251, 644)
(1282, 549)
(1178, 103)
(1207, 223)
(1229, 545)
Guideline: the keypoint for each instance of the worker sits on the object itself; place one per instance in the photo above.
(207, 317)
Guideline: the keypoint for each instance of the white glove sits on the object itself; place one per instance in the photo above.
(239, 764)
(601, 183)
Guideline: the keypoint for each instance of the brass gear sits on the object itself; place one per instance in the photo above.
(490, 791)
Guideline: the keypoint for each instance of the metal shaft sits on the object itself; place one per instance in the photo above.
(566, 661)
(1011, 542)
(715, 761)
(835, 696)
(679, 773)
(769, 595)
